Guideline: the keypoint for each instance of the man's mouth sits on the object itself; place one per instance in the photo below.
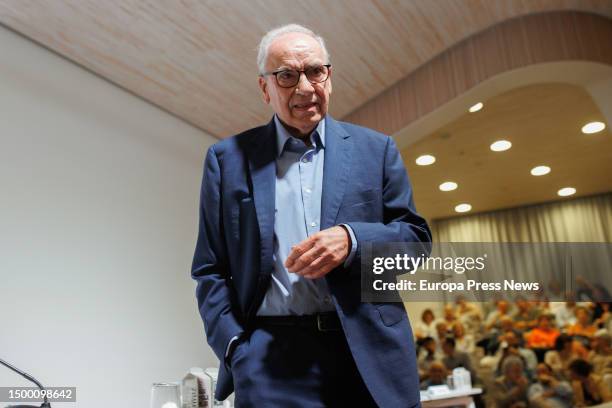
(306, 105)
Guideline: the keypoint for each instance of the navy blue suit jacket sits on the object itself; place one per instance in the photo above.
(365, 185)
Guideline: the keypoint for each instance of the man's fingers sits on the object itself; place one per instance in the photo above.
(315, 266)
(318, 270)
(306, 258)
(297, 250)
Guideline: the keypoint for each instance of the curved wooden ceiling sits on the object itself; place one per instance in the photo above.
(196, 59)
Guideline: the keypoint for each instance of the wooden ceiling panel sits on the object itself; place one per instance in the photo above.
(196, 59)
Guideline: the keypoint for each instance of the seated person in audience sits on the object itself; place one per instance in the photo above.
(602, 315)
(526, 315)
(442, 332)
(453, 358)
(449, 315)
(564, 311)
(426, 327)
(543, 336)
(589, 388)
(566, 351)
(427, 355)
(492, 340)
(510, 390)
(600, 357)
(583, 326)
(502, 309)
(514, 343)
(590, 291)
(548, 391)
(509, 344)
(464, 342)
(436, 375)
(469, 314)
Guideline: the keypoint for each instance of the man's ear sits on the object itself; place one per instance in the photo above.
(329, 79)
(263, 85)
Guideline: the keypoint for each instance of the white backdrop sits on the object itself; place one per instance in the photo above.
(98, 220)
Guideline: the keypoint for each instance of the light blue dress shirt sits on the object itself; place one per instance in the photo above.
(299, 181)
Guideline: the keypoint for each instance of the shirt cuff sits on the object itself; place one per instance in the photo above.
(351, 254)
(229, 345)
(227, 350)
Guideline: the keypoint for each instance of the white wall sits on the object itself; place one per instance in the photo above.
(98, 220)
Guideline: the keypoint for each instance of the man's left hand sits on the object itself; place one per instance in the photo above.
(320, 253)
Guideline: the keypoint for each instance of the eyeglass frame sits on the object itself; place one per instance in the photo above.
(275, 73)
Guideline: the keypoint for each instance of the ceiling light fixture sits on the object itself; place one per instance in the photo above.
(566, 191)
(425, 160)
(593, 127)
(500, 145)
(448, 186)
(476, 107)
(461, 208)
(540, 170)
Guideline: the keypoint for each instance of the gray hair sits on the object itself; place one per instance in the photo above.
(511, 361)
(270, 36)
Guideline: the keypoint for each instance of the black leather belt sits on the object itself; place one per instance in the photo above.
(323, 322)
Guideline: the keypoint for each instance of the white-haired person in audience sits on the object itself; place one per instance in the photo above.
(449, 315)
(547, 391)
(564, 311)
(510, 390)
(464, 341)
(470, 315)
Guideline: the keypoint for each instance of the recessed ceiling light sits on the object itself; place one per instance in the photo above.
(425, 160)
(566, 191)
(500, 145)
(476, 107)
(448, 186)
(540, 170)
(461, 208)
(593, 127)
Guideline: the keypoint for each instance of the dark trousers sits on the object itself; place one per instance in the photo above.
(297, 367)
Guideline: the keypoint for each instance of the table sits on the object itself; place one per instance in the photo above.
(453, 398)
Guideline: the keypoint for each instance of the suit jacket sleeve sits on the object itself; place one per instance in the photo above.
(210, 266)
(401, 223)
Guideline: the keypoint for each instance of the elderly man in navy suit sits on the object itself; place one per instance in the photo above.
(285, 210)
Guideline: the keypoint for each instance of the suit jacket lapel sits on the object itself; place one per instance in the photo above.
(337, 165)
(262, 166)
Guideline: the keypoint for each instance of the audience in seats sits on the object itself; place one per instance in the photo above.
(522, 353)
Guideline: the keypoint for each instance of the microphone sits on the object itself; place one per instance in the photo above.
(28, 377)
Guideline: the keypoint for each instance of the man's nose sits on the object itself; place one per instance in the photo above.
(303, 85)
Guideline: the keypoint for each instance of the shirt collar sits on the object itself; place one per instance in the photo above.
(282, 135)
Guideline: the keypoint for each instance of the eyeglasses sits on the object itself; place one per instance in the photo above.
(288, 78)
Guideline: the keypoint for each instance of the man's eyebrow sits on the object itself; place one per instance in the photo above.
(306, 67)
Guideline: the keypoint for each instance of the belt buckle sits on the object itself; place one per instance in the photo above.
(321, 324)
